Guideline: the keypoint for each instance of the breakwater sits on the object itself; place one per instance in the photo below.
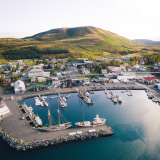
(20, 145)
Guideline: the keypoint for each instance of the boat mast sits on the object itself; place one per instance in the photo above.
(58, 114)
(83, 117)
(49, 116)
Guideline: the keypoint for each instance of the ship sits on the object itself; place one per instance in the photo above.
(96, 122)
(38, 120)
(56, 127)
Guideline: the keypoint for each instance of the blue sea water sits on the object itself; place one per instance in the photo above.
(136, 123)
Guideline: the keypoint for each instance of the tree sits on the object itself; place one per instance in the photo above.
(58, 65)
(4, 68)
(9, 68)
(127, 67)
(52, 69)
(133, 63)
(35, 63)
(13, 69)
(2, 78)
(16, 78)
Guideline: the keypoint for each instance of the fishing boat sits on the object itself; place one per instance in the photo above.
(64, 99)
(154, 100)
(129, 94)
(38, 120)
(68, 96)
(119, 99)
(114, 99)
(63, 104)
(57, 127)
(88, 100)
(106, 91)
(96, 122)
(53, 97)
(109, 96)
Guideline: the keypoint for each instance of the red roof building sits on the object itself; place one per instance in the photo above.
(150, 78)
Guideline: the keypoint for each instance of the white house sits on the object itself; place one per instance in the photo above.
(136, 66)
(85, 71)
(4, 110)
(103, 71)
(19, 87)
(38, 73)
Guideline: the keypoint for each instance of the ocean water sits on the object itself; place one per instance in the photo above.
(136, 125)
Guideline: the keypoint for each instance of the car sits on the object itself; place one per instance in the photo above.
(6, 92)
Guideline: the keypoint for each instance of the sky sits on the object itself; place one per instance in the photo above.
(133, 19)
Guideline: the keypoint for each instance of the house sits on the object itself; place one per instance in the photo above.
(4, 110)
(150, 78)
(53, 61)
(82, 59)
(41, 79)
(33, 79)
(19, 87)
(7, 80)
(38, 73)
(58, 74)
(103, 71)
(6, 72)
(56, 82)
(136, 66)
(85, 71)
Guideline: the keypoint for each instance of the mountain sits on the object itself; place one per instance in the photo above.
(147, 41)
(62, 42)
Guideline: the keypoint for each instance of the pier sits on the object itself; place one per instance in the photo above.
(15, 131)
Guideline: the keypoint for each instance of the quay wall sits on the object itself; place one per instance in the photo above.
(63, 91)
(20, 145)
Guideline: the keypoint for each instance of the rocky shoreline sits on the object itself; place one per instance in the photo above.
(24, 146)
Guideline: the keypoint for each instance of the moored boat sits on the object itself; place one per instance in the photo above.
(96, 122)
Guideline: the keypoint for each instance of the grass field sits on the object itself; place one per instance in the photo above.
(30, 63)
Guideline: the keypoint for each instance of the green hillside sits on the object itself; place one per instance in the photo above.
(67, 42)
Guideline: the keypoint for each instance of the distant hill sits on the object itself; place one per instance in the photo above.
(62, 42)
(147, 41)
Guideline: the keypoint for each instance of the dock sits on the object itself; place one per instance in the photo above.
(15, 130)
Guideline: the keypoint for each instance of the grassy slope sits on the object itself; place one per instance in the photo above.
(85, 40)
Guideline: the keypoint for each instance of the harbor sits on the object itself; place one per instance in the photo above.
(26, 138)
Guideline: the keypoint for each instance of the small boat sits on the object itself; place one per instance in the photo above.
(109, 96)
(129, 94)
(64, 99)
(106, 91)
(68, 96)
(119, 99)
(114, 99)
(53, 97)
(63, 104)
(88, 100)
(154, 100)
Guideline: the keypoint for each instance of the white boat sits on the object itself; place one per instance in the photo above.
(129, 94)
(109, 96)
(63, 104)
(68, 96)
(119, 99)
(64, 99)
(38, 102)
(114, 99)
(106, 91)
(53, 97)
(96, 122)
(88, 100)
(154, 100)
(38, 120)
(44, 97)
(86, 94)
